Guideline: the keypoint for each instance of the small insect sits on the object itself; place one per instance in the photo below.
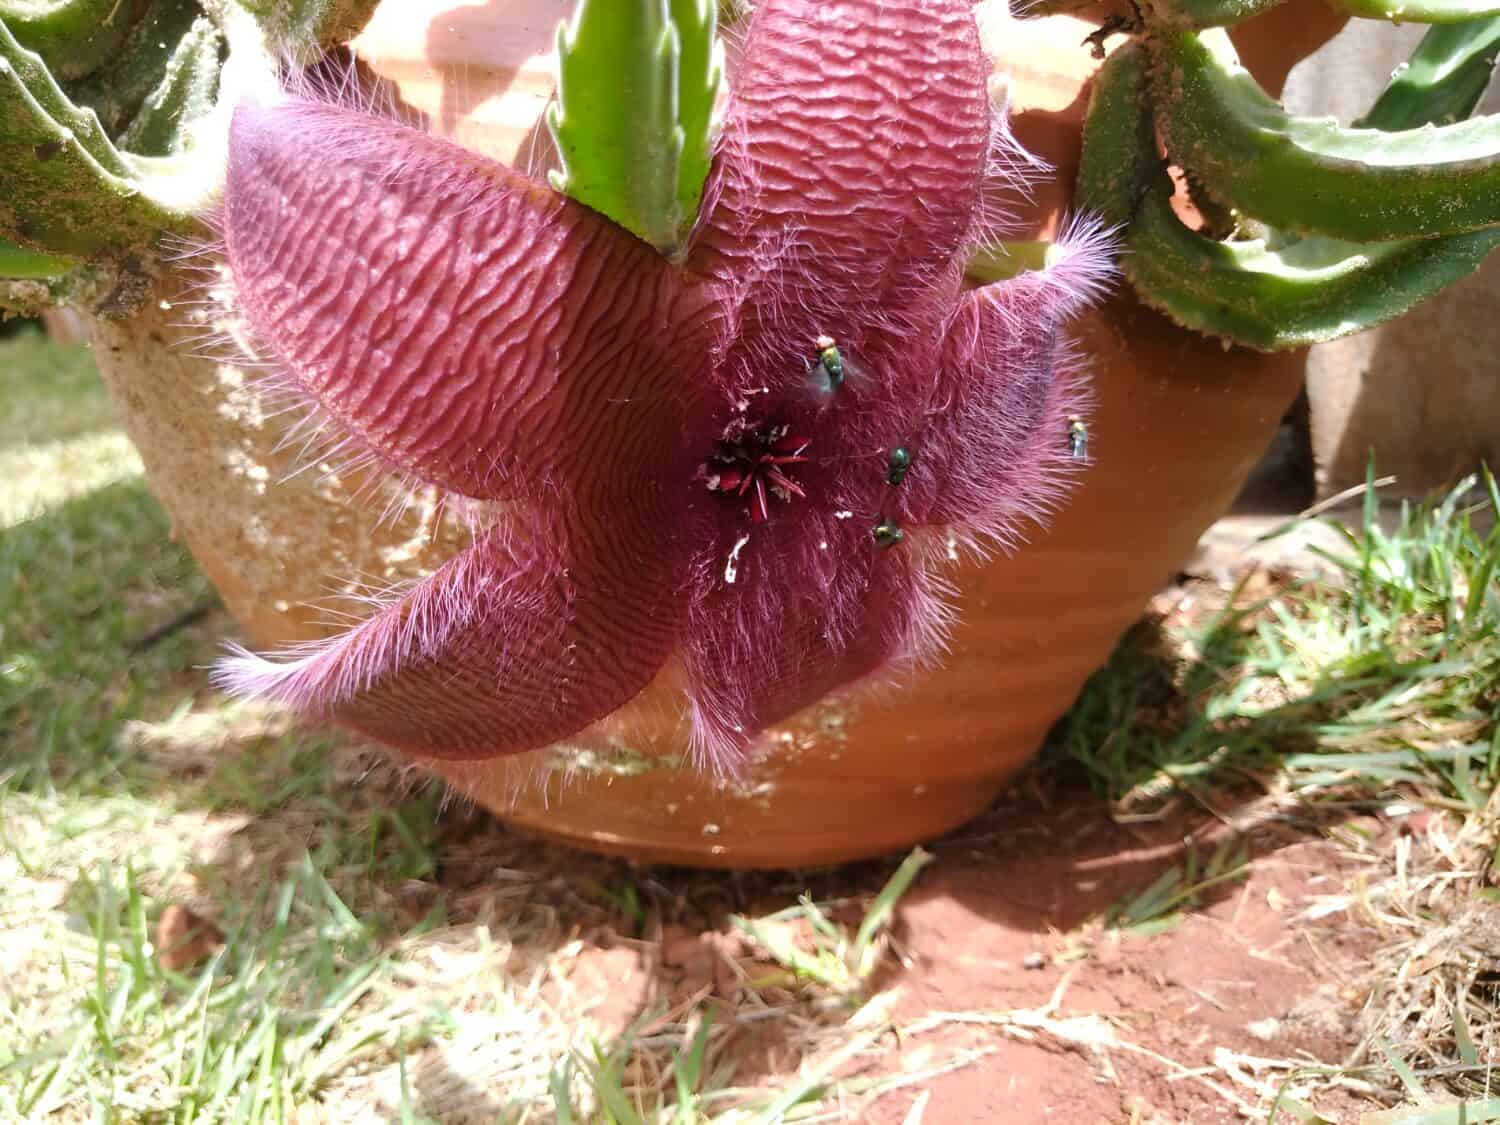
(832, 361)
(887, 534)
(1078, 438)
(898, 465)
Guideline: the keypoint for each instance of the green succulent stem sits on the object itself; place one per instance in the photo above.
(1271, 293)
(1310, 175)
(634, 119)
(1000, 261)
(1443, 80)
(72, 37)
(301, 28)
(118, 89)
(20, 264)
(1422, 11)
(186, 92)
(1195, 15)
(70, 190)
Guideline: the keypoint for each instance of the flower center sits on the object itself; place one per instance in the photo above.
(756, 466)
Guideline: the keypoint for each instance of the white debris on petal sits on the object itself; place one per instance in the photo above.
(731, 571)
(843, 515)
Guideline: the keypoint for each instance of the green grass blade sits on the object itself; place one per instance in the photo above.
(1462, 1113)
(1404, 1072)
(1463, 1038)
(559, 1081)
(883, 907)
(687, 1068)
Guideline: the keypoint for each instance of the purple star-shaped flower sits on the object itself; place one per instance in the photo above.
(755, 462)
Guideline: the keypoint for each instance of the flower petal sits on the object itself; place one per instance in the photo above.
(521, 640)
(848, 175)
(784, 619)
(468, 325)
(995, 450)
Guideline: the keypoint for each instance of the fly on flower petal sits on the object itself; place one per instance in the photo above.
(661, 482)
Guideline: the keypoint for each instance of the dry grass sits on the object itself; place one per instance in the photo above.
(1434, 1000)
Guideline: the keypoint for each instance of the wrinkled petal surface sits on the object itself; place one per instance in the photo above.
(467, 324)
(994, 451)
(800, 618)
(523, 639)
(848, 177)
(479, 331)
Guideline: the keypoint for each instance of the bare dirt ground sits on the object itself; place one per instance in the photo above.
(1001, 963)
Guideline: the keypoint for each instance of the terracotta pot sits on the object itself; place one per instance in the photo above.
(1179, 423)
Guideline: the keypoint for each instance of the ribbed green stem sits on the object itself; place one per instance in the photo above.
(1119, 160)
(1003, 260)
(633, 120)
(1310, 175)
(1443, 80)
(1195, 15)
(1421, 11)
(73, 37)
(120, 87)
(1307, 291)
(20, 264)
(68, 187)
(1312, 290)
(301, 27)
(185, 93)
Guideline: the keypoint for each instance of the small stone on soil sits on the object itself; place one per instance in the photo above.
(183, 938)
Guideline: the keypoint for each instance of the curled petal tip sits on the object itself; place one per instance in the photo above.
(1080, 263)
(247, 675)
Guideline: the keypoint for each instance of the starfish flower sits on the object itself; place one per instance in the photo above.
(754, 461)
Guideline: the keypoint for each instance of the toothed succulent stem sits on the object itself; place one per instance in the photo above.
(635, 127)
(71, 190)
(16, 262)
(72, 37)
(1003, 260)
(1332, 229)
(1195, 15)
(1443, 80)
(1311, 175)
(113, 128)
(1278, 292)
